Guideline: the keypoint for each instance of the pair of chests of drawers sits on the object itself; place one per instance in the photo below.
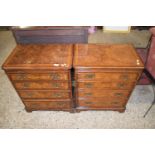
(104, 75)
(43, 90)
(104, 89)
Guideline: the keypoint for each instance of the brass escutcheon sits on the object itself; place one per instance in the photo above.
(55, 76)
(21, 77)
(88, 102)
(125, 77)
(115, 102)
(56, 95)
(88, 94)
(29, 94)
(121, 85)
(26, 85)
(88, 85)
(60, 103)
(118, 94)
(55, 85)
(90, 76)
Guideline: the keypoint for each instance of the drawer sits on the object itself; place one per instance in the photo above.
(40, 76)
(108, 77)
(105, 85)
(46, 105)
(101, 103)
(41, 85)
(103, 93)
(42, 94)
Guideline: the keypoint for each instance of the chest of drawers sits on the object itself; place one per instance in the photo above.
(41, 75)
(105, 76)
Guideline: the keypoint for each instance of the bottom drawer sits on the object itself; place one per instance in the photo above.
(42, 94)
(48, 105)
(101, 103)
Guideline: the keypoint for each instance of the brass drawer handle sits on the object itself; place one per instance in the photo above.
(125, 77)
(120, 85)
(56, 95)
(88, 85)
(26, 85)
(90, 76)
(21, 77)
(87, 102)
(29, 94)
(60, 103)
(118, 94)
(56, 85)
(88, 94)
(55, 76)
(115, 102)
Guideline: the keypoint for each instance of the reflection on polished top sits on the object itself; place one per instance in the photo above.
(106, 56)
(40, 56)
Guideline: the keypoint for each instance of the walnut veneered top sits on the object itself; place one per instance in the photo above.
(106, 56)
(40, 56)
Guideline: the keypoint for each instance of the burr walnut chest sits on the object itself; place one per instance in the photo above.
(41, 75)
(105, 75)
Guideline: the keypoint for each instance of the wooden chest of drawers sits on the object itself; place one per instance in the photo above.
(41, 75)
(105, 75)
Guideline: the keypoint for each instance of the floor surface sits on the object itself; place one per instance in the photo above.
(140, 39)
(13, 114)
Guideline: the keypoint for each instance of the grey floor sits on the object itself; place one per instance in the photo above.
(13, 115)
(139, 39)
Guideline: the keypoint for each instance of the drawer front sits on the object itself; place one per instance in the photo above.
(45, 105)
(108, 77)
(42, 94)
(40, 76)
(105, 85)
(102, 103)
(41, 85)
(104, 93)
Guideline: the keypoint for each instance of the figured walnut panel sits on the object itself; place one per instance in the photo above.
(42, 56)
(103, 93)
(101, 103)
(41, 85)
(40, 76)
(46, 105)
(108, 77)
(106, 56)
(104, 85)
(44, 94)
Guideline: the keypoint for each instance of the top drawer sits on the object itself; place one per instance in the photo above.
(108, 77)
(39, 76)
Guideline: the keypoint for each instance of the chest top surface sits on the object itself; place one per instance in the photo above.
(40, 56)
(106, 56)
